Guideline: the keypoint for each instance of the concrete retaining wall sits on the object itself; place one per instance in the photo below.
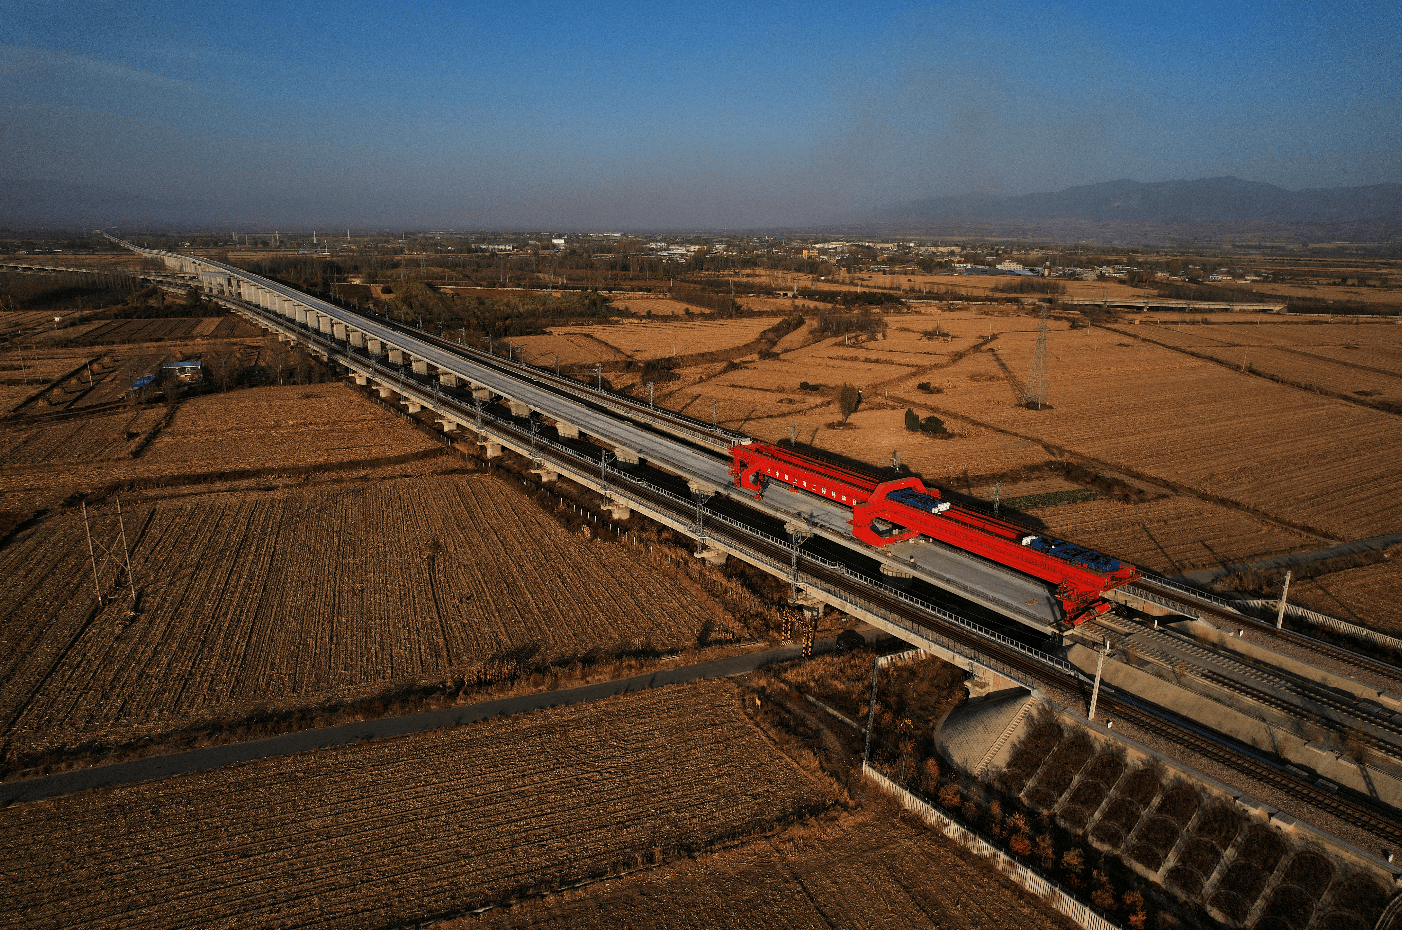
(1034, 884)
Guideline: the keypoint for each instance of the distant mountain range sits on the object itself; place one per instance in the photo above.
(1208, 207)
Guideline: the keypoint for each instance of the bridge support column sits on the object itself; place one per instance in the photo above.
(420, 366)
(447, 379)
(545, 474)
(448, 425)
(374, 346)
(618, 509)
(492, 447)
(481, 393)
(385, 393)
(810, 604)
(323, 323)
(567, 430)
(396, 356)
(626, 456)
(710, 554)
(360, 379)
(413, 405)
(518, 409)
(356, 338)
(338, 330)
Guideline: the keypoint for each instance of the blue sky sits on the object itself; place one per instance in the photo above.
(578, 115)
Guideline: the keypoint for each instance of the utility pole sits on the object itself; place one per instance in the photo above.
(649, 393)
(1037, 383)
(599, 372)
(92, 557)
(997, 497)
(1099, 667)
(871, 709)
(126, 553)
(1280, 611)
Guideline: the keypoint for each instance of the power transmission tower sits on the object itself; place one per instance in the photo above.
(1037, 382)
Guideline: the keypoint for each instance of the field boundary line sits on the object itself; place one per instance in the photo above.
(212, 757)
(1034, 884)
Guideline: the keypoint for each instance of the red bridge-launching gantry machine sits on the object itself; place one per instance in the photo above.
(886, 512)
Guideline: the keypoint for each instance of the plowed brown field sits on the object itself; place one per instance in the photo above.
(298, 598)
(405, 830)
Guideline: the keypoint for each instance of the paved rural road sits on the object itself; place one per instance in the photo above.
(212, 757)
(1296, 558)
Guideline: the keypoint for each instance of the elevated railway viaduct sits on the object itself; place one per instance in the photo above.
(502, 404)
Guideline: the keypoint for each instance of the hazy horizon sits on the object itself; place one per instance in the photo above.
(445, 115)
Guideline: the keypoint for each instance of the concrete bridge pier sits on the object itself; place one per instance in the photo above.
(618, 509)
(374, 346)
(338, 330)
(323, 323)
(492, 447)
(413, 405)
(566, 430)
(518, 409)
(300, 314)
(420, 366)
(385, 393)
(360, 380)
(703, 489)
(447, 379)
(810, 603)
(356, 338)
(481, 393)
(545, 473)
(396, 356)
(711, 555)
(447, 424)
(626, 456)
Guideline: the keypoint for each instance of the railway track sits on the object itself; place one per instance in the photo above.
(1200, 604)
(1235, 672)
(1339, 801)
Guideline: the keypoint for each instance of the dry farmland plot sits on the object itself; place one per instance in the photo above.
(1362, 361)
(1305, 459)
(294, 427)
(400, 831)
(573, 349)
(312, 597)
(79, 441)
(644, 340)
(1174, 534)
(855, 871)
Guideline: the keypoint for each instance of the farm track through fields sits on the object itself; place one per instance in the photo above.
(166, 765)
